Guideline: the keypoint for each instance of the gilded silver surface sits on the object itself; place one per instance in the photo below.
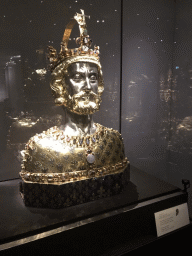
(52, 157)
(79, 149)
(59, 64)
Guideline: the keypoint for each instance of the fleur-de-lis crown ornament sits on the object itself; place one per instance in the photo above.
(82, 53)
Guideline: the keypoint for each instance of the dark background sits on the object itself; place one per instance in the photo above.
(147, 98)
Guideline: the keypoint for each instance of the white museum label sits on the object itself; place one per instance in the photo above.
(171, 219)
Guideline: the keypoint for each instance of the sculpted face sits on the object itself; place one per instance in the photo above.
(78, 86)
(81, 83)
(82, 76)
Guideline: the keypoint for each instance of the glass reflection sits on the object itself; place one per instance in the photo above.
(168, 95)
(25, 125)
(168, 91)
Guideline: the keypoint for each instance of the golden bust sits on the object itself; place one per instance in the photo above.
(79, 150)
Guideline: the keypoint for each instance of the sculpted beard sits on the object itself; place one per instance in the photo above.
(85, 102)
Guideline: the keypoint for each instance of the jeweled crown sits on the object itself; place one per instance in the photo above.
(83, 42)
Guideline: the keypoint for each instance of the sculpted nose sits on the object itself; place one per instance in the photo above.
(87, 84)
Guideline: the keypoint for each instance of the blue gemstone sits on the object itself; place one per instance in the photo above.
(80, 142)
(87, 141)
(93, 139)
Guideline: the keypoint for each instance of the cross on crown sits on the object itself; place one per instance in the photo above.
(80, 18)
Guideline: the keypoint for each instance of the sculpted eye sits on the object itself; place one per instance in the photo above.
(93, 77)
(77, 76)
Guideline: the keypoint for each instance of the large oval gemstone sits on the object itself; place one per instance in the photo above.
(90, 158)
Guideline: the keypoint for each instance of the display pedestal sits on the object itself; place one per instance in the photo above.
(73, 193)
(94, 228)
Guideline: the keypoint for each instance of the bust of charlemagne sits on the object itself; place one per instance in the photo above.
(79, 153)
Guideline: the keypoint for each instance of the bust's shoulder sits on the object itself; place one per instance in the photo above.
(110, 131)
(50, 133)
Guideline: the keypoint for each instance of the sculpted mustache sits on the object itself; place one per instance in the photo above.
(85, 94)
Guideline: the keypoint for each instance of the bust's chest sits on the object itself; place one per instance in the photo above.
(56, 153)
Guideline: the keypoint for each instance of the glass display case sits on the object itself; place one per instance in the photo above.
(145, 57)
